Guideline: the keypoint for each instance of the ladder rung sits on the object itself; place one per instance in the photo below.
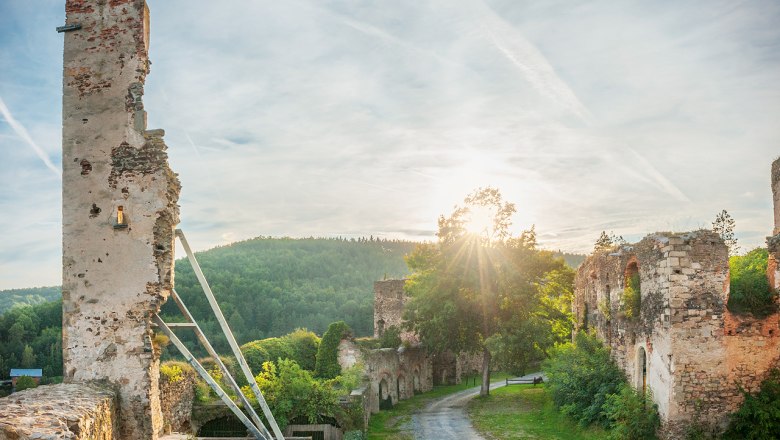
(181, 324)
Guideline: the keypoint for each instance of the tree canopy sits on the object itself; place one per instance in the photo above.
(478, 288)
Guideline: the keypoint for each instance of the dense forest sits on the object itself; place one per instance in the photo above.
(271, 286)
(31, 295)
(31, 337)
(266, 287)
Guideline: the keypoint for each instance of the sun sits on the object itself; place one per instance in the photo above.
(479, 220)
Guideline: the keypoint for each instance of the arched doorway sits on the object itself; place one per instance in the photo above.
(641, 370)
(400, 387)
(385, 400)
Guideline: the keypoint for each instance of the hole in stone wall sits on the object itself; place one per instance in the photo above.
(95, 211)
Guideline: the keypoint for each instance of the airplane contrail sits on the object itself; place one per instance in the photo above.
(20, 131)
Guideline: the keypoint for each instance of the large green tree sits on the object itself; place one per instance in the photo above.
(479, 287)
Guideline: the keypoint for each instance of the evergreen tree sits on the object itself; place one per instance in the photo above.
(724, 226)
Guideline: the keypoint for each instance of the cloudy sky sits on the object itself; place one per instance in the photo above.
(347, 118)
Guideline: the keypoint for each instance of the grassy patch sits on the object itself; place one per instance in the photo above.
(525, 412)
(395, 424)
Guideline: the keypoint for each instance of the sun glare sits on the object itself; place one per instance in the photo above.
(480, 220)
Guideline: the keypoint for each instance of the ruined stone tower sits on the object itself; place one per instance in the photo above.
(119, 210)
(684, 344)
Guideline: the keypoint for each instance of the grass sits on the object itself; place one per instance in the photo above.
(394, 424)
(525, 412)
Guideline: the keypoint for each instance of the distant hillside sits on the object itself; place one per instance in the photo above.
(30, 295)
(270, 286)
(573, 260)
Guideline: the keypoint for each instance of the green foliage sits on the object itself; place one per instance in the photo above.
(31, 337)
(300, 346)
(759, 415)
(271, 286)
(581, 376)
(203, 392)
(292, 392)
(750, 291)
(391, 338)
(173, 371)
(29, 296)
(327, 366)
(485, 290)
(25, 382)
(632, 416)
(632, 296)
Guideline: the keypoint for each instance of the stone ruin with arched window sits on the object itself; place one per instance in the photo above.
(681, 341)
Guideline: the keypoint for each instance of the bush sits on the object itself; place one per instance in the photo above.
(750, 291)
(25, 382)
(303, 346)
(174, 371)
(391, 338)
(759, 415)
(581, 376)
(292, 393)
(631, 415)
(327, 366)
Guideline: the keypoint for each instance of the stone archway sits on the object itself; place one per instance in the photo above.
(385, 395)
(401, 387)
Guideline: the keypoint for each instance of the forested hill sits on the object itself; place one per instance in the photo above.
(271, 286)
(31, 295)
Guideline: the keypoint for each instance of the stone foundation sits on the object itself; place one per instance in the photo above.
(63, 411)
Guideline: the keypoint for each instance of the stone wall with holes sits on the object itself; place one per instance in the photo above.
(62, 411)
(390, 374)
(684, 345)
(389, 300)
(117, 269)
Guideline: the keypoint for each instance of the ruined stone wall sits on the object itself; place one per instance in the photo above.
(63, 411)
(176, 398)
(115, 274)
(389, 301)
(695, 350)
(394, 374)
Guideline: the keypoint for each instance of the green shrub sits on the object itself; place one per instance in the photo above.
(632, 296)
(327, 366)
(391, 338)
(25, 382)
(203, 392)
(172, 372)
(303, 346)
(292, 393)
(759, 415)
(750, 291)
(632, 416)
(581, 376)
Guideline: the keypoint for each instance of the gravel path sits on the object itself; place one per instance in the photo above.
(446, 419)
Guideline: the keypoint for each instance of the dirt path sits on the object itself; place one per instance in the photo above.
(446, 419)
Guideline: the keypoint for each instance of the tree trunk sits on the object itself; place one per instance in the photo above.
(485, 389)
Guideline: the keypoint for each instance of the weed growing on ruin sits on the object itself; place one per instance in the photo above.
(327, 366)
(749, 287)
(759, 415)
(172, 371)
(632, 296)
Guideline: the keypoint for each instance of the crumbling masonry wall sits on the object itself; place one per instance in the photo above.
(116, 274)
(694, 351)
(389, 300)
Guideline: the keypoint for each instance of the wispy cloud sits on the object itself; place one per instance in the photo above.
(20, 131)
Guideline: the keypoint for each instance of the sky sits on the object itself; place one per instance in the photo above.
(343, 118)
